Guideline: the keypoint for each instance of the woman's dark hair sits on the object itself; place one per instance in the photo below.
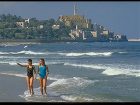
(42, 59)
(29, 60)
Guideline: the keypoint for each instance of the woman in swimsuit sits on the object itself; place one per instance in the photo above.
(30, 75)
(42, 68)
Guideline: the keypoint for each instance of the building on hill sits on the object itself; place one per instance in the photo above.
(76, 19)
(20, 24)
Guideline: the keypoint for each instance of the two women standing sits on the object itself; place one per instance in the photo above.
(43, 72)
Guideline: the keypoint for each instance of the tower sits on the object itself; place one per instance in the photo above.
(75, 9)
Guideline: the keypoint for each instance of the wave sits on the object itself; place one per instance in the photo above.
(63, 97)
(17, 43)
(72, 54)
(24, 52)
(85, 65)
(48, 63)
(110, 70)
(24, 75)
(4, 53)
(39, 98)
(14, 62)
(66, 83)
(122, 52)
(14, 74)
(13, 57)
(57, 89)
(88, 54)
(76, 98)
(30, 52)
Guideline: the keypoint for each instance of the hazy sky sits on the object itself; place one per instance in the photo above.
(119, 17)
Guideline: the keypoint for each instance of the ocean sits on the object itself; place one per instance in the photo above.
(81, 72)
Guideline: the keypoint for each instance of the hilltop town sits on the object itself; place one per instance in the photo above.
(66, 28)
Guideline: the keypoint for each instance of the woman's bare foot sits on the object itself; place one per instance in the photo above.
(45, 94)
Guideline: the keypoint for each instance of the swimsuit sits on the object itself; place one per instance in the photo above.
(42, 71)
(30, 71)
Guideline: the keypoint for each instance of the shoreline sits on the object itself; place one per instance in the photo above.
(13, 86)
(45, 41)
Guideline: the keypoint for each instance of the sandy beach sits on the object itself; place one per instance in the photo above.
(11, 87)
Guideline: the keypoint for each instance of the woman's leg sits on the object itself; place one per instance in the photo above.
(44, 84)
(31, 85)
(41, 85)
(28, 84)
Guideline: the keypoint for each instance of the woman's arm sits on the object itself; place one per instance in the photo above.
(38, 70)
(21, 65)
(47, 69)
(35, 73)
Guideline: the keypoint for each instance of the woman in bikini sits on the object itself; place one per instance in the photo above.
(42, 68)
(30, 75)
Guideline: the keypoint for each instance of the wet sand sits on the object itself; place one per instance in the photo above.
(11, 87)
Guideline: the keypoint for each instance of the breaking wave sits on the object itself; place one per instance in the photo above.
(76, 98)
(24, 52)
(110, 70)
(85, 65)
(87, 54)
(66, 83)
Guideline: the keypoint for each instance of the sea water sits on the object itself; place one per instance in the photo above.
(81, 72)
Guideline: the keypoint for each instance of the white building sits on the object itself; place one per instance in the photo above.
(20, 24)
(41, 26)
(117, 36)
(27, 20)
(105, 32)
(56, 26)
(94, 33)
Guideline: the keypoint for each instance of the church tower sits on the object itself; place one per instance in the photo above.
(75, 9)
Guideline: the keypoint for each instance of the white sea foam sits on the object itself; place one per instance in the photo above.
(29, 52)
(71, 54)
(13, 57)
(48, 63)
(122, 52)
(25, 46)
(121, 71)
(24, 75)
(24, 52)
(4, 53)
(16, 44)
(37, 97)
(110, 70)
(13, 63)
(76, 98)
(88, 54)
(15, 74)
(71, 82)
(93, 66)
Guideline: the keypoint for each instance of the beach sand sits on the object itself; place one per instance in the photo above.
(11, 87)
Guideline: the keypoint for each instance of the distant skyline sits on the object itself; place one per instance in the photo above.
(119, 17)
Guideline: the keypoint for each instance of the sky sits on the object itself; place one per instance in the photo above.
(118, 17)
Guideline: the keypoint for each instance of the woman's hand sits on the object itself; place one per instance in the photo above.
(35, 78)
